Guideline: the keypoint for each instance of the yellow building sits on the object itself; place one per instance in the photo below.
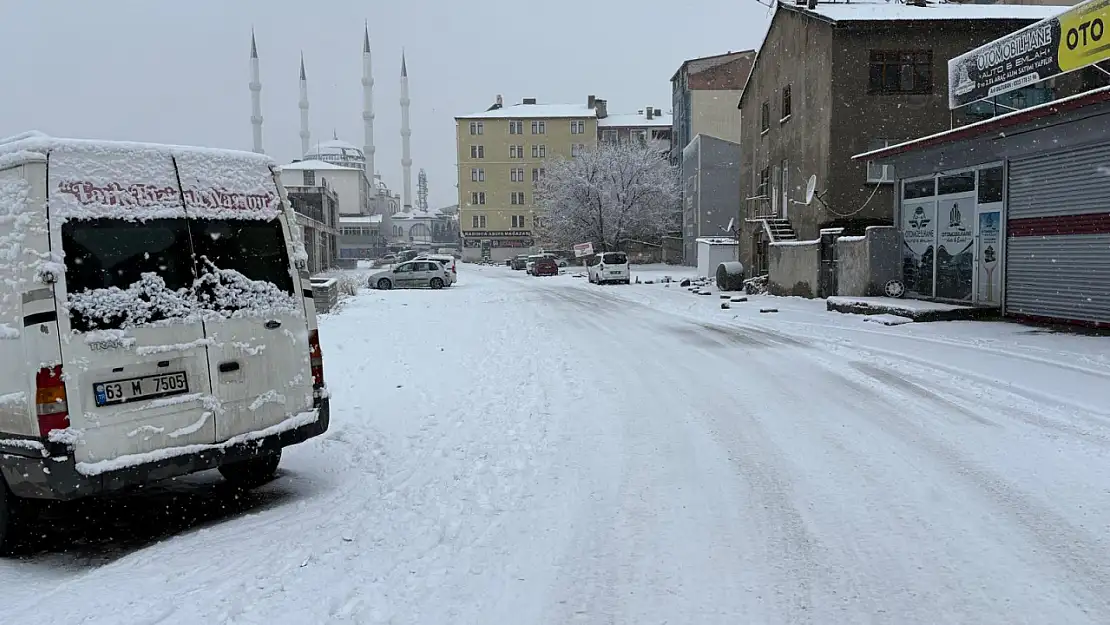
(501, 153)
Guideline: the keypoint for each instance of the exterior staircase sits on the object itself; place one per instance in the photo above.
(779, 229)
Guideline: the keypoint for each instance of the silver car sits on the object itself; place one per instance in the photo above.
(415, 274)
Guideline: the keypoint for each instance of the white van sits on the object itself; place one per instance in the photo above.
(609, 267)
(154, 320)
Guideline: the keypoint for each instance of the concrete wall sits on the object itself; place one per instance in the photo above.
(711, 177)
(714, 113)
(865, 264)
(793, 268)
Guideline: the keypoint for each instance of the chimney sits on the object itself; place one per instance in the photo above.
(649, 112)
(591, 102)
(812, 4)
(500, 100)
(658, 113)
(529, 101)
(602, 111)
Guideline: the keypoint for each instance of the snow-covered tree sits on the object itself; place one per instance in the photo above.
(608, 196)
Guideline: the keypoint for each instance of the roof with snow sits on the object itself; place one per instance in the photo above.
(992, 125)
(417, 214)
(315, 164)
(634, 120)
(33, 145)
(534, 110)
(880, 10)
(352, 220)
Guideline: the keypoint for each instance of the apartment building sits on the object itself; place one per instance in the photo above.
(502, 151)
(704, 92)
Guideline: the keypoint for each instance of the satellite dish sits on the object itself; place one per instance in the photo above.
(731, 223)
(811, 188)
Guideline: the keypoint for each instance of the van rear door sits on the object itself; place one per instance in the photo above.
(256, 318)
(134, 359)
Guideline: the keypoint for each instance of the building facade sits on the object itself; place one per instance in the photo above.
(645, 125)
(704, 92)
(501, 152)
(1010, 212)
(711, 192)
(317, 209)
(832, 80)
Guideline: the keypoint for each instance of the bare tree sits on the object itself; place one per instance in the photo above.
(608, 196)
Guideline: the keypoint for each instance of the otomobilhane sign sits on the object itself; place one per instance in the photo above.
(1072, 40)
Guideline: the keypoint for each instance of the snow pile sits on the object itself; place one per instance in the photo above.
(17, 224)
(230, 291)
(143, 303)
(8, 332)
(149, 302)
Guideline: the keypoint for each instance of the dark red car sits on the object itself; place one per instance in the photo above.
(546, 267)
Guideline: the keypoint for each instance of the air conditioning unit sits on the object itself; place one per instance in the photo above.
(879, 173)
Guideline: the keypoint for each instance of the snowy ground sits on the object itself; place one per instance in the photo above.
(542, 450)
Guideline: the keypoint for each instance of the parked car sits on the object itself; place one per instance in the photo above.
(137, 299)
(520, 262)
(415, 274)
(545, 267)
(609, 267)
(448, 263)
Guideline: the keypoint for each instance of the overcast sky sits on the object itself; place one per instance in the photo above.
(177, 71)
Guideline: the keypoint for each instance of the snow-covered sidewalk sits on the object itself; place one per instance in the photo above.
(542, 450)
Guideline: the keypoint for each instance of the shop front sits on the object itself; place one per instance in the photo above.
(1012, 212)
(496, 245)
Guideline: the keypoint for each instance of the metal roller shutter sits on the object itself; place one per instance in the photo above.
(1058, 243)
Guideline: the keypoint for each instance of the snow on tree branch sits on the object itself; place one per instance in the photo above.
(608, 196)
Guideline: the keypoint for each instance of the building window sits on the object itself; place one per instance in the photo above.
(785, 186)
(518, 222)
(539, 128)
(637, 136)
(516, 127)
(578, 127)
(309, 177)
(516, 174)
(765, 117)
(477, 197)
(894, 71)
(539, 151)
(537, 174)
(475, 128)
(516, 151)
(478, 221)
(764, 182)
(477, 174)
(517, 198)
(609, 136)
(576, 149)
(785, 103)
(477, 151)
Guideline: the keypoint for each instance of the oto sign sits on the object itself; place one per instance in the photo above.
(583, 249)
(1072, 40)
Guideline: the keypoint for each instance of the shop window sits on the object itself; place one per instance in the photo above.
(919, 188)
(956, 183)
(990, 185)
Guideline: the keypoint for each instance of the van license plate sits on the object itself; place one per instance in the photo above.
(135, 389)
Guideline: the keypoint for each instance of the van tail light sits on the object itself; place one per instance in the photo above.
(453, 267)
(50, 400)
(316, 359)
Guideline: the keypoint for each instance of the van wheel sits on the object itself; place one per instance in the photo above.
(385, 284)
(13, 521)
(437, 283)
(253, 472)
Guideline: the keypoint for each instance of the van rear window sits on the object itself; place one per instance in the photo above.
(124, 274)
(615, 258)
(254, 248)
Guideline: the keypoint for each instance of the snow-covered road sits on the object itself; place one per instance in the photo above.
(526, 450)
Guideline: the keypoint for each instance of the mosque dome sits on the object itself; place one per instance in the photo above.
(337, 152)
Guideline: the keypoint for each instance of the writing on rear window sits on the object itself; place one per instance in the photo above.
(140, 195)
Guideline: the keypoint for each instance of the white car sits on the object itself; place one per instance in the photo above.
(448, 263)
(415, 274)
(609, 267)
(162, 322)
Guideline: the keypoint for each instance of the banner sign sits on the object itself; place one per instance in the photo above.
(485, 234)
(1072, 40)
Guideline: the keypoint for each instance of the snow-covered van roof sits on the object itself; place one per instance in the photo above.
(538, 111)
(634, 120)
(139, 181)
(880, 10)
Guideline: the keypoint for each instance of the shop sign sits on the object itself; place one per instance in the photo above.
(487, 234)
(1072, 40)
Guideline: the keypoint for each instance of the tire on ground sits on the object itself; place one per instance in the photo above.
(252, 472)
(730, 276)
